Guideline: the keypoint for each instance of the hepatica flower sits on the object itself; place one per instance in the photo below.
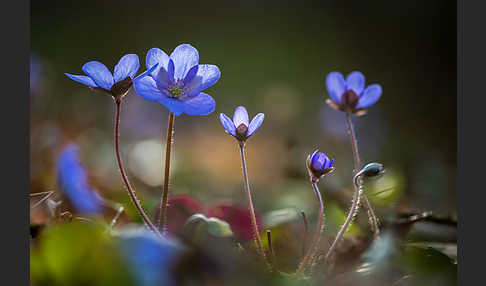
(98, 77)
(318, 164)
(239, 126)
(350, 95)
(178, 81)
(73, 181)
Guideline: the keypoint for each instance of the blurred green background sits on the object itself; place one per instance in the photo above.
(273, 56)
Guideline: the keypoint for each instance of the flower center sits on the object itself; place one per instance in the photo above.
(241, 132)
(349, 100)
(175, 92)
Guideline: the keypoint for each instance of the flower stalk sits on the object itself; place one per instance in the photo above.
(256, 232)
(165, 188)
(354, 145)
(352, 213)
(131, 192)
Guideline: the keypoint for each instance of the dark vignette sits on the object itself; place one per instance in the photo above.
(471, 99)
(15, 21)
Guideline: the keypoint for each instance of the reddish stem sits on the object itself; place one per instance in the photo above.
(131, 192)
(354, 145)
(250, 205)
(165, 191)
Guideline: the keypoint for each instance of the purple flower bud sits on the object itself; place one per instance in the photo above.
(318, 164)
(239, 126)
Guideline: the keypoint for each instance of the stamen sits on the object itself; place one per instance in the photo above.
(175, 92)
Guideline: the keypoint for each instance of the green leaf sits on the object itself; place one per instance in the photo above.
(77, 254)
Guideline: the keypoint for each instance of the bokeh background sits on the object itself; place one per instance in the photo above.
(273, 56)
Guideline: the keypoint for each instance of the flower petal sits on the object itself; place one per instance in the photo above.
(165, 77)
(206, 76)
(203, 104)
(149, 257)
(73, 181)
(99, 73)
(370, 95)
(329, 164)
(228, 125)
(156, 56)
(335, 86)
(86, 80)
(356, 82)
(145, 73)
(174, 105)
(255, 123)
(191, 74)
(126, 67)
(147, 89)
(319, 161)
(240, 116)
(185, 57)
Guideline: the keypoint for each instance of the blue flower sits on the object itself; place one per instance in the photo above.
(73, 181)
(151, 258)
(178, 81)
(239, 127)
(318, 164)
(350, 95)
(116, 84)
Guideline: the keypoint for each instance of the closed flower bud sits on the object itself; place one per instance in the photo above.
(372, 169)
(318, 165)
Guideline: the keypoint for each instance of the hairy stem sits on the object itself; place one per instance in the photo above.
(352, 213)
(165, 191)
(256, 232)
(117, 216)
(317, 237)
(131, 192)
(354, 145)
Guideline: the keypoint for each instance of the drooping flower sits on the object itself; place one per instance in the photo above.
(318, 164)
(178, 81)
(73, 181)
(239, 126)
(98, 77)
(149, 256)
(350, 95)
